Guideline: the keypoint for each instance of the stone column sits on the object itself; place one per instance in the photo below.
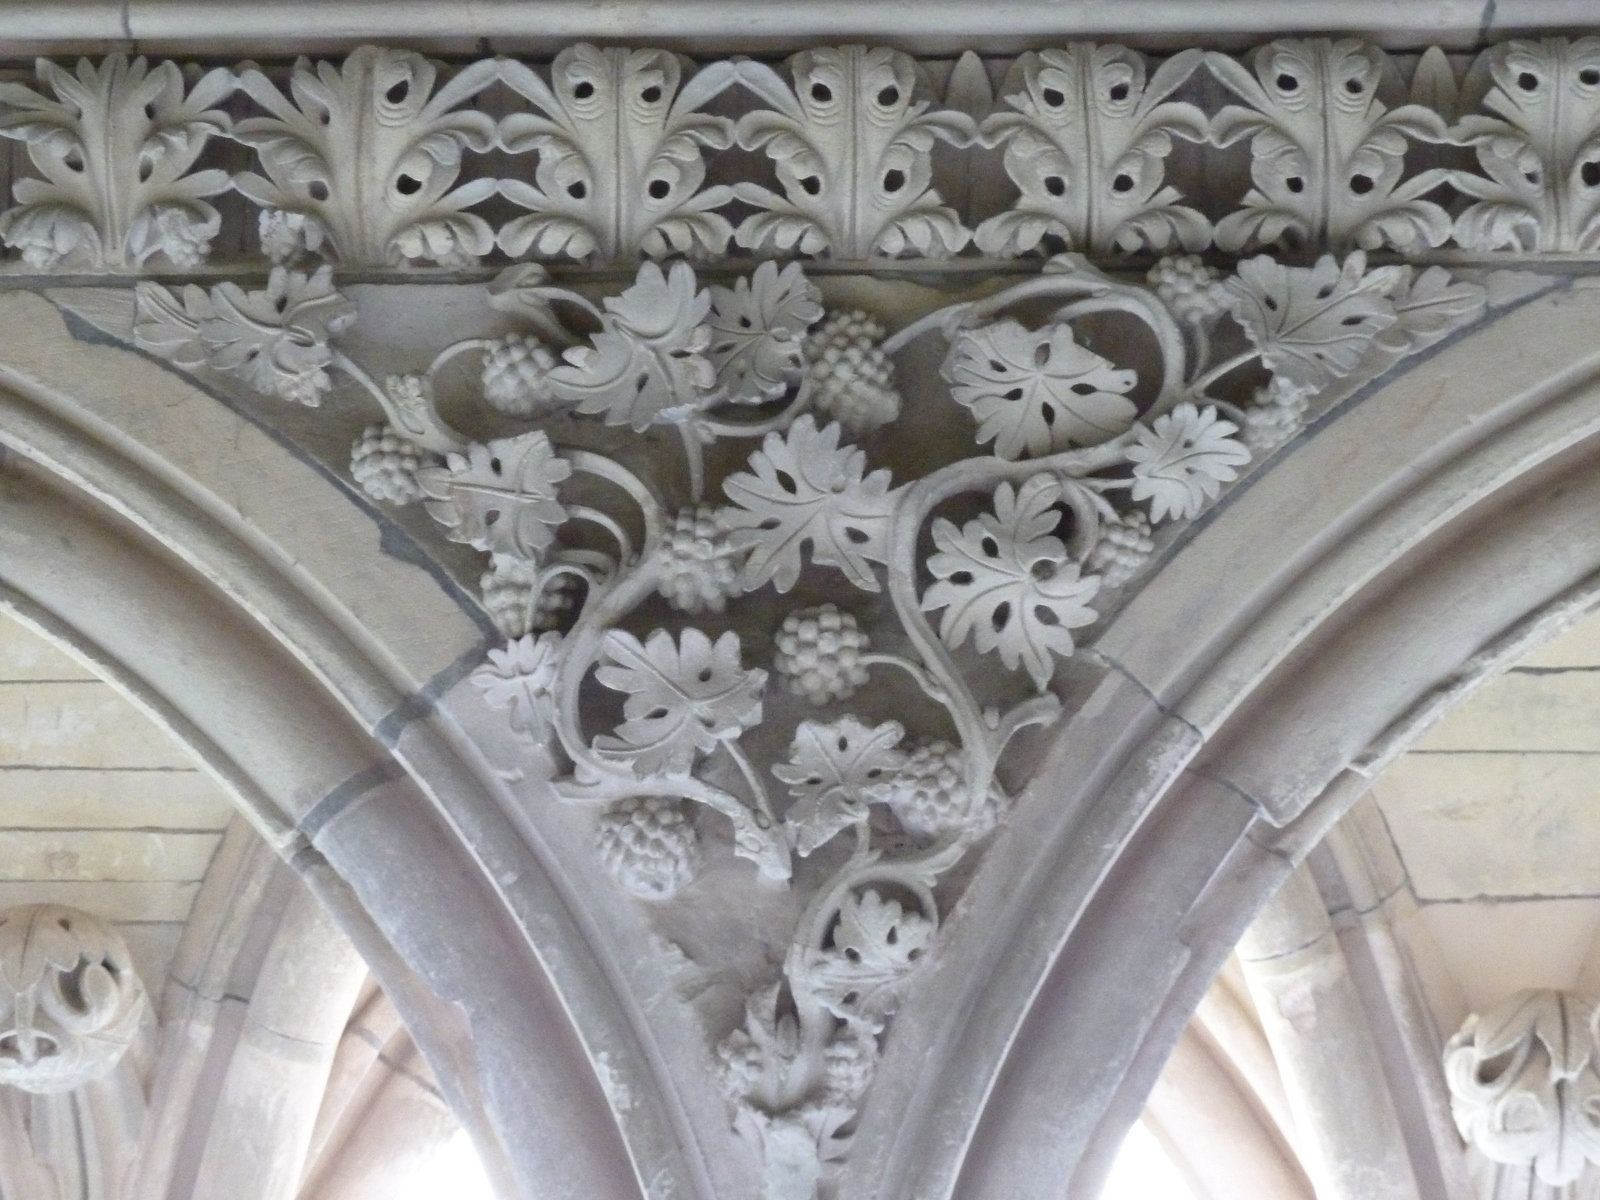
(1348, 1128)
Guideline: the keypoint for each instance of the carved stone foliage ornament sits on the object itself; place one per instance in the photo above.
(609, 154)
(1525, 1084)
(673, 460)
(70, 1002)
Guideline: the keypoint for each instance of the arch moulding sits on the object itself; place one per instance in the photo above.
(917, 908)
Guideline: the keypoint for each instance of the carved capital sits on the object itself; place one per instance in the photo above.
(1525, 1084)
(70, 1002)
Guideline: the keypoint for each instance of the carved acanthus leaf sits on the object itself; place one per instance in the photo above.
(371, 153)
(1033, 392)
(807, 489)
(1541, 153)
(684, 698)
(1328, 156)
(1006, 579)
(853, 152)
(1525, 1084)
(1087, 147)
(115, 147)
(619, 146)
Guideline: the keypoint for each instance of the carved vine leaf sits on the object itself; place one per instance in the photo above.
(853, 152)
(1313, 324)
(647, 364)
(1087, 147)
(876, 943)
(1181, 461)
(275, 340)
(371, 152)
(807, 489)
(619, 145)
(1008, 581)
(1541, 153)
(758, 331)
(1428, 307)
(831, 773)
(683, 698)
(1328, 156)
(519, 679)
(1034, 392)
(115, 147)
(499, 497)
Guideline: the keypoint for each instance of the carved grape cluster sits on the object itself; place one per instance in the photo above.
(819, 654)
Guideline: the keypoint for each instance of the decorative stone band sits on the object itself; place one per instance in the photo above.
(1524, 1084)
(852, 152)
(70, 1002)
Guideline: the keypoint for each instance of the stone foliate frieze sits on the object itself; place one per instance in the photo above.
(855, 153)
(70, 1001)
(1525, 1084)
(746, 618)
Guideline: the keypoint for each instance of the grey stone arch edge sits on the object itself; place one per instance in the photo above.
(1425, 533)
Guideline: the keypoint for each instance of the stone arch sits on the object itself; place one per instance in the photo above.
(284, 637)
(1426, 531)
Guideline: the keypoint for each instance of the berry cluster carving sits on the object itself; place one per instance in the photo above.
(609, 574)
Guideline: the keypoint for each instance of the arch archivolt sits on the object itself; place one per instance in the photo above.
(733, 795)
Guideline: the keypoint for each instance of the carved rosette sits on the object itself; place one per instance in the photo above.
(1525, 1084)
(70, 1002)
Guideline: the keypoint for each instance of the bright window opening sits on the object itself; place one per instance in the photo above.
(454, 1171)
(1144, 1172)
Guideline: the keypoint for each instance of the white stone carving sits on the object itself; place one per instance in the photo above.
(360, 160)
(1077, 461)
(619, 144)
(70, 1001)
(1525, 1084)
(1538, 151)
(613, 157)
(1328, 153)
(1087, 146)
(852, 147)
(115, 148)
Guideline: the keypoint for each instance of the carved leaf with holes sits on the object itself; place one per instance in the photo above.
(1087, 146)
(853, 152)
(1327, 154)
(807, 489)
(831, 771)
(275, 339)
(499, 497)
(647, 364)
(1313, 324)
(1428, 307)
(520, 678)
(1182, 460)
(1033, 392)
(876, 944)
(371, 152)
(758, 331)
(1007, 580)
(683, 698)
(620, 168)
(1541, 153)
(114, 148)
